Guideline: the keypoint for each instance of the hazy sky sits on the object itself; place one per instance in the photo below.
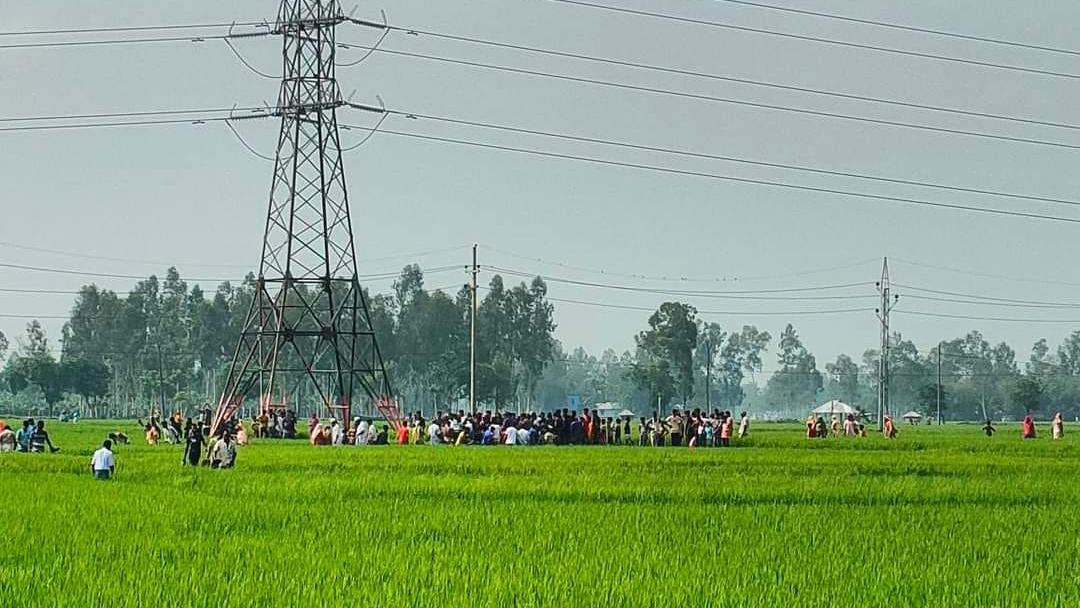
(192, 196)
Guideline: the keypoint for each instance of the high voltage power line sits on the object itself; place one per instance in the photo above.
(661, 169)
(716, 99)
(594, 5)
(563, 136)
(109, 275)
(729, 178)
(87, 256)
(907, 28)
(133, 28)
(638, 65)
(677, 279)
(820, 39)
(725, 78)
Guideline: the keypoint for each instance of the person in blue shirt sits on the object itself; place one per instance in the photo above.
(489, 436)
(22, 438)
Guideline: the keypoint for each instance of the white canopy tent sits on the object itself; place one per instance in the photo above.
(834, 408)
(912, 415)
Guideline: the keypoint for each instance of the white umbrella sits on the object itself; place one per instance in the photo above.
(834, 407)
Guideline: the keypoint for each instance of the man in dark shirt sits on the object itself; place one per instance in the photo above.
(193, 444)
(39, 439)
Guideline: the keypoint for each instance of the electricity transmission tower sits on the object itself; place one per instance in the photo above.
(309, 320)
(888, 301)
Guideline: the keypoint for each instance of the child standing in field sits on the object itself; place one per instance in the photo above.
(1057, 427)
(988, 428)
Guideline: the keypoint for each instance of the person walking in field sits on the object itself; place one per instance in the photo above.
(1057, 427)
(102, 463)
(39, 439)
(744, 425)
(811, 427)
(988, 428)
(1027, 427)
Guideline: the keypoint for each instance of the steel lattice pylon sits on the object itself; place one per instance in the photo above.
(309, 317)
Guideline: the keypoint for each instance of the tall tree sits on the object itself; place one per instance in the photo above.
(665, 365)
(796, 383)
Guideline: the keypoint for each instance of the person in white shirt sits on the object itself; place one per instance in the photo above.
(337, 434)
(102, 463)
(511, 435)
(433, 433)
(361, 433)
(523, 436)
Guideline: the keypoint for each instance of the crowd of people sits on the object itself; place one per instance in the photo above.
(816, 427)
(689, 428)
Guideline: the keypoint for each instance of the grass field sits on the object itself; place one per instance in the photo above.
(941, 516)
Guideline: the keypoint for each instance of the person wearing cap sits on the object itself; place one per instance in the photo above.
(102, 463)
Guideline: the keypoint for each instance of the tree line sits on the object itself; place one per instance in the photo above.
(168, 342)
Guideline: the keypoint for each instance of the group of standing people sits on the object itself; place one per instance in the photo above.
(817, 428)
(195, 436)
(1027, 427)
(31, 438)
(361, 432)
(692, 428)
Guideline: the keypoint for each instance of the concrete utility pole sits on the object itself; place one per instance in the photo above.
(888, 301)
(472, 336)
(939, 383)
(708, 376)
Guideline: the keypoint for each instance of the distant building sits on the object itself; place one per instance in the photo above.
(612, 409)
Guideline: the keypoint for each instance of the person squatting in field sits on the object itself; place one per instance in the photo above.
(692, 428)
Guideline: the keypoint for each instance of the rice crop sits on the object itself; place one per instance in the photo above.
(941, 516)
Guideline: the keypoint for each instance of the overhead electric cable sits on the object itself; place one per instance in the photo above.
(725, 100)
(678, 279)
(821, 39)
(907, 28)
(737, 80)
(729, 178)
(684, 292)
(735, 159)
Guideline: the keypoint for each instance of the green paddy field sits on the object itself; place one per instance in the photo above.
(942, 516)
